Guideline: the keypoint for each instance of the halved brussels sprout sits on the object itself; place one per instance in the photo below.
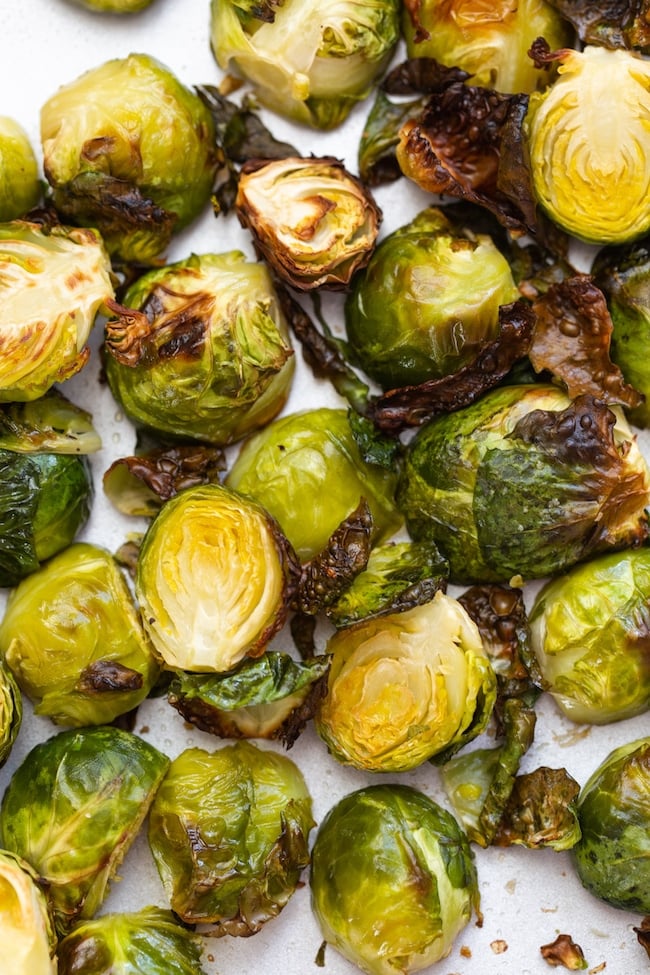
(427, 301)
(525, 482)
(214, 579)
(73, 808)
(250, 810)
(589, 630)
(406, 687)
(612, 858)
(588, 133)
(200, 349)
(45, 501)
(311, 220)
(26, 924)
(129, 150)
(52, 285)
(271, 697)
(20, 187)
(489, 41)
(393, 881)
(149, 941)
(310, 60)
(72, 637)
(310, 462)
(11, 711)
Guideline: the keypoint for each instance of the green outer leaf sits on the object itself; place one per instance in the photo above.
(145, 942)
(51, 423)
(252, 811)
(73, 808)
(613, 856)
(11, 711)
(392, 880)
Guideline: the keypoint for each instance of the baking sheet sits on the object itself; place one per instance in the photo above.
(528, 897)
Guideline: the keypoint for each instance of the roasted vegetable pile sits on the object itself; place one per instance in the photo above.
(324, 487)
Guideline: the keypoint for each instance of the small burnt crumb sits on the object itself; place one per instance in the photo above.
(499, 946)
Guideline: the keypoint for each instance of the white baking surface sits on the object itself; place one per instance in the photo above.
(528, 897)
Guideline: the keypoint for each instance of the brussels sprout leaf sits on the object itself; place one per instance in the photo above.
(139, 485)
(19, 478)
(643, 934)
(398, 577)
(411, 406)
(571, 339)
(49, 423)
(564, 951)
(611, 23)
(540, 811)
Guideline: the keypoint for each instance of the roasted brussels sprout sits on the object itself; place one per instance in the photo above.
(114, 6)
(251, 809)
(311, 220)
(20, 187)
(406, 687)
(309, 60)
(309, 461)
(271, 697)
(129, 150)
(612, 858)
(525, 482)
(149, 941)
(214, 579)
(72, 637)
(45, 501)
(393, 881)
(489, 41)
(50, 423)
(73, 808)
(11, 711)
(201, 349)
(589, 630)
(623, 274)
(573, 157)
(427, 301)
(26, 923)
(52, 285)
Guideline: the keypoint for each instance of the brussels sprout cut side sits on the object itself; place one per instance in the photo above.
(72, 638)
(393, 881)
(200, 349)
(52, 285)
(150, 170)
(613, 856)
(575, 159)
(26, 924)
(309, 60)
(251, 809)
(73, 808)
(406, 687)
(214, 579)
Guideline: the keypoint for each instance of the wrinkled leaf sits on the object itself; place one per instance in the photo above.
(611, 23)
(541, 811)
(564, 951)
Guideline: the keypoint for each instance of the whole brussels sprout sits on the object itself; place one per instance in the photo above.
(20, 187)
(309, 60)
(393, 881)
(622, 272)
(73, 808)
(149, 941)
(311, 220)
(252, 811)
(214, 579)
(406, 687)
(427, 301)
(72, 637)
(589, 630)
(310, 462)
(612, 858)
(201, 349)
(45, 501)
(525, 482)
(488, 41)
(11, 711)
(52, 285)
(129, 150)
(26, 924)
(574, 158)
